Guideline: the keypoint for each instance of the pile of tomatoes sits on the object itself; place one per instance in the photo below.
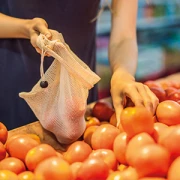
(142, 147)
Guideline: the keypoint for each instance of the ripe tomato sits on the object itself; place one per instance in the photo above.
(119, 147)
(88, 134)
(102, 110)
(2, 151)
(107, 156)
(103, 137)
(151, 83)
(3, 133)
(19, 146)
(165, 84)
(77, 152)
(53, 168)
(92, 121)
(151, 160)
(129, 173)
(34, 136)
(113, 120)
(135, 120)
(169, 90)
(75, 168)
(168, 112)
(135, 144)
(159, 128)
(169, 139)
(159, 92)
(8, 175)
(12, 164)
(37, 154)
(174, 172)
(175, 96)
(152, 178)
(93, 168)
(26, 175)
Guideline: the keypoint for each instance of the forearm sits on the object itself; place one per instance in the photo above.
(123, 49)
(123, 56)
(11, 27)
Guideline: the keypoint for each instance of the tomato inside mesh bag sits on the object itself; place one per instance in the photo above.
(60, 107)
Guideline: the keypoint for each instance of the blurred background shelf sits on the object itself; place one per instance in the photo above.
(158, 36)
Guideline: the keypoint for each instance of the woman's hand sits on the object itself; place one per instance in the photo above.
(124, 85)
(37, 26)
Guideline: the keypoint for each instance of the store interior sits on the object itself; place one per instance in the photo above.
(158, 36)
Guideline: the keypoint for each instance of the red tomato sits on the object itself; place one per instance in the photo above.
(169, 90)
(8, 175)
(119, 147)
(135, 120)
(135, 144)
(53, 168)
(75, 168)
(92, 121)
(92, 169)
(151, 83)
(129, 174)
(103, 137)
(77, 152)
(174, 173)
(155, 119)
(19, 146)
(38, 154)
(2, 151)
(152, 178)
(168, 112)
(107, 156)
(166, 84)
(175, 96)
(151, 160)
(159, 128)
(88, 134)
(169, 140)
(12, 164)
(26, 175)
(113, 120)
(159, 92)
(103, 111)
(3, 133)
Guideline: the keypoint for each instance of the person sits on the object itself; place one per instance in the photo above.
(21, 23)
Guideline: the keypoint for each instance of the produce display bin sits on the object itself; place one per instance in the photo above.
(49, 138)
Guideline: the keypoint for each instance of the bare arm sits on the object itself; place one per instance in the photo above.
(123, 47)
(11, 27)
(123, 55)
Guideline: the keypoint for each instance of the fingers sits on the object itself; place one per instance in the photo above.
(154, 99)
(135, 96)
(118, 106)
(142, 96)
(41, 26)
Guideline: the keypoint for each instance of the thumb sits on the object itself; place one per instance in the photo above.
(118, 106)
(42, 27)
(44, 30)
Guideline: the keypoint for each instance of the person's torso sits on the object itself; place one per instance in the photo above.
(20, 63)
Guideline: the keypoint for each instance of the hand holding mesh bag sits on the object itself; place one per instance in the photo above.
(61, 106)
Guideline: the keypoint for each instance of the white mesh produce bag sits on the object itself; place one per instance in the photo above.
(60, 107)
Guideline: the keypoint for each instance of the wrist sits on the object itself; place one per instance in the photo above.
(25, 28)
(124, 74)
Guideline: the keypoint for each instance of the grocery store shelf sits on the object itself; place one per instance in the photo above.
(104, 22)
(159, 22)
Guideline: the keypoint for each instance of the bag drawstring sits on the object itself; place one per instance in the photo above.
(43, 84)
